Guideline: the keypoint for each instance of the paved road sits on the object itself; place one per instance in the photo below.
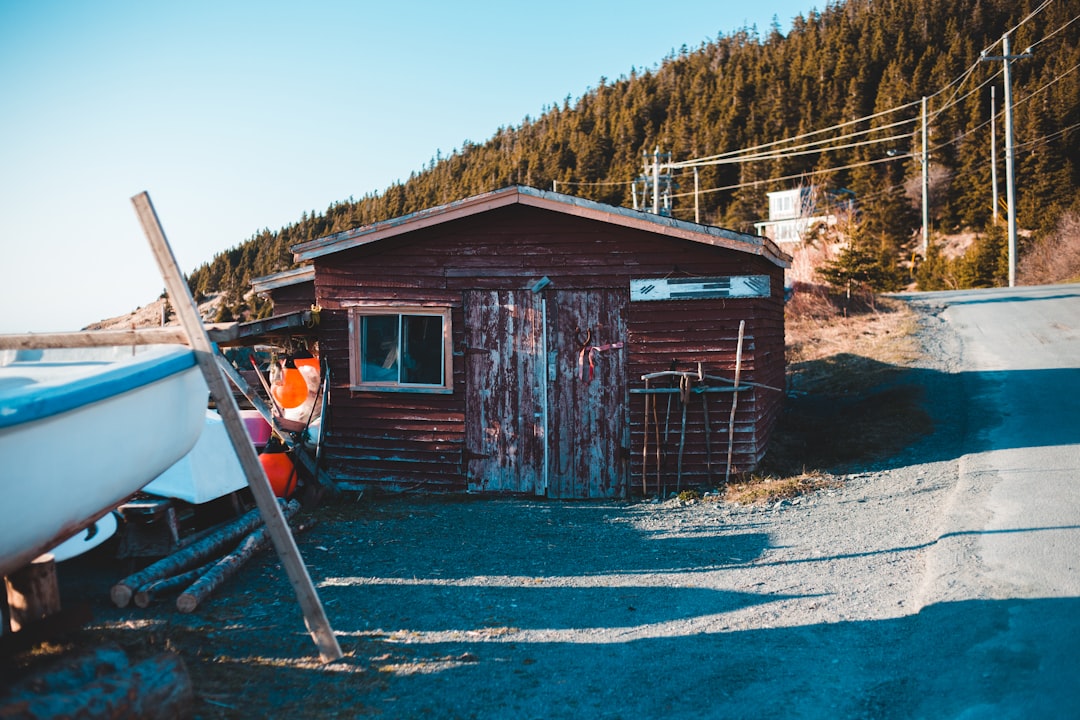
(1011, 534)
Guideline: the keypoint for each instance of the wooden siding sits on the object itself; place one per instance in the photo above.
(505, 407)
(589, 435)
(293, 298)
(405, 440)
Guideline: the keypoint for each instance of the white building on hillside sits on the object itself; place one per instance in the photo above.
(793, 214)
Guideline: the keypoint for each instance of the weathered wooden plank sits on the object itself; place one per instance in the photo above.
(180, 294)
(504, 435)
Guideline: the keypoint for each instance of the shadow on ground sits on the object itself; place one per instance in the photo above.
(921, 413)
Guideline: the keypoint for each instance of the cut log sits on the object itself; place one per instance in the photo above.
(206, 548)
(32, 592)
(227, 566)
(147, 593)
(158, 687)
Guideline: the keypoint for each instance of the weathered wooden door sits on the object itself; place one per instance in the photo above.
(588, 407)
(504, 385)
(546, 393)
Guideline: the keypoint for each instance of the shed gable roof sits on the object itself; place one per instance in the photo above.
(556, 202)
(286, 278)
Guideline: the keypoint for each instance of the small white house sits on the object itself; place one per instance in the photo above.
(794, 213)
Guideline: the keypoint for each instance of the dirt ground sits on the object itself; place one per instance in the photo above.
(466, 607)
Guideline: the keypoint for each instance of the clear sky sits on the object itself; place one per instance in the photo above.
(239, 115)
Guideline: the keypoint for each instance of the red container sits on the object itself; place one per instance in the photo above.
(257, 428)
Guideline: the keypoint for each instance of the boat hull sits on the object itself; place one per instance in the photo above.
(210, 471)
(79, 437)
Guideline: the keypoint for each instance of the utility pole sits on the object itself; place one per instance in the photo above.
(1010, 177)
(925, 184)
(660, 183)
(993, 150)
(656, 181)
(697, 205)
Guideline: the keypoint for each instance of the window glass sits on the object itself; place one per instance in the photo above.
(379, 348)
(421, 349)
(406, 350)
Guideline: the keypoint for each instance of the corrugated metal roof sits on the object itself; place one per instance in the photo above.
(557, 202)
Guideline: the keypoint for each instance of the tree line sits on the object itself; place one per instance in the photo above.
(856, 59)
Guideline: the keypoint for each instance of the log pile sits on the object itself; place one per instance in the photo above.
(103, 683)
(200, 567)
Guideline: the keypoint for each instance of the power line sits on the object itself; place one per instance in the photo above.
(795, 177)
(783, 154)
(704, 160)
(748, 154)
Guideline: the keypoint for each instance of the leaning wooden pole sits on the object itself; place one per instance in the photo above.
(180, 297)
(734, 402)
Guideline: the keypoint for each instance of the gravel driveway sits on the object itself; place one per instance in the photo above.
(481, 608)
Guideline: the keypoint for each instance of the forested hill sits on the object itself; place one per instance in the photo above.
(836, 102)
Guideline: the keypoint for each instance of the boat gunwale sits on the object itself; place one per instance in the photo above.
(37, 400)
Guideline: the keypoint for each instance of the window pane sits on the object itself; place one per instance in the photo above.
(379, 348)
(422, 349)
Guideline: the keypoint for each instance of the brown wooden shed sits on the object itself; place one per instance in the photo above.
(290, 291)
(501, 344)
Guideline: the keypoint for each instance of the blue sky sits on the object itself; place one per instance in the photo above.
(238, 116)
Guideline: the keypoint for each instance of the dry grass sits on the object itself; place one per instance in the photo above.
(848, 404)
(767, 490)
(837, 346)
(1056, 257)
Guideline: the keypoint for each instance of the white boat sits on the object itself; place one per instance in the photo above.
(210, 471)
(81, 430)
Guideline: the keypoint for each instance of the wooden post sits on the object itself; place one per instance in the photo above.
(645, 445)
(734, 402)
(180, 297)
(32, 592)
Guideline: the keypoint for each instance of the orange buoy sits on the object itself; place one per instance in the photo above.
(280, 471)
(292, 391)
(311, 362)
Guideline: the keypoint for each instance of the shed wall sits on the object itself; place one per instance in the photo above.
(407, 440)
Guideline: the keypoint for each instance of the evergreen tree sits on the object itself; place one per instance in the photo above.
(742, 90)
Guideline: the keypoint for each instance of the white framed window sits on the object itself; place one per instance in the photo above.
(401, 349)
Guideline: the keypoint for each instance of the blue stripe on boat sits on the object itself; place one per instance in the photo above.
(58, 387)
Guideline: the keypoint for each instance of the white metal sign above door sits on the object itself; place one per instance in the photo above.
(732, 286)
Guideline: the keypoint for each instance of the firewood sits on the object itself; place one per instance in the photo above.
(181, 560)
(147, 593)
(227, 566)
(158, 687)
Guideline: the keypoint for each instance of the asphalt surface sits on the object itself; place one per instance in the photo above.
(1010, 534)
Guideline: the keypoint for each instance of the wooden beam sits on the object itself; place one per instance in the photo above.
(93, 338)
(284, 543)
(223, 334)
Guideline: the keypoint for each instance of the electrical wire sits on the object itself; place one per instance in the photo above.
(787, 154)
(792, 177)
(957, 84)
(747, 154)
